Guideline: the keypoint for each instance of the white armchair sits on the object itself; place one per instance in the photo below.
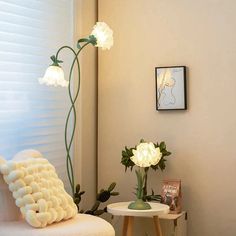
(9, 211)
(11, 222)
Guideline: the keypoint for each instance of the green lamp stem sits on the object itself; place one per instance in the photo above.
(139, 204)
(69, 140)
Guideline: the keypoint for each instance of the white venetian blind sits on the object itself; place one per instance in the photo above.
(33, 115)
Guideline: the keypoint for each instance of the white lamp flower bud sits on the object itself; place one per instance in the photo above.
(104, 35)
(146, 155)
(54, 76)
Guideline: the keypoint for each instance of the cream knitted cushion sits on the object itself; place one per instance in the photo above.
(37, 190)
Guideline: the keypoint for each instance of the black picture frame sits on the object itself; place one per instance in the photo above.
(171, 89)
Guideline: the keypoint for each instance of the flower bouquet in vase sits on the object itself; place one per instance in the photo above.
(144, 156)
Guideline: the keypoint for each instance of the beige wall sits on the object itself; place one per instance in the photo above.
(86, 136)
(201, 35)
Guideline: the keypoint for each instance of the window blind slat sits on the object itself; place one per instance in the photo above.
(32, 116)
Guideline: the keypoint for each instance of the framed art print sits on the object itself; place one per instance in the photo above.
(171, 88)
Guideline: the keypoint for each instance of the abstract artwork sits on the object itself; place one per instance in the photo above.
(171, 88)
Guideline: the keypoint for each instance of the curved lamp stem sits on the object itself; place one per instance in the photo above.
(101, 36)
(70, 115)
(139, 204)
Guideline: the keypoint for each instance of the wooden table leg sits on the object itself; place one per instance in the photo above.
(128, 226)
(157, 226)
(125, 225)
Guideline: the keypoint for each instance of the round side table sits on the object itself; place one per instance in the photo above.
(121, 209)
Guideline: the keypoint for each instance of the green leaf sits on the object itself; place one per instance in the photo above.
(112, 186)
(155, 167)
(162, 164)
(162, 146)
(81, 193)
(83, 40)
(124, 154)
(163, 152)
(78, 45)
(77, 189)
(130, 152)
(77, 200)
(53, 58)
(95, 206)
(98, 212)
(104, 196)
(115, 193)
(125, 160)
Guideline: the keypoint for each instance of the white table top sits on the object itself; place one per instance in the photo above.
(121, 209)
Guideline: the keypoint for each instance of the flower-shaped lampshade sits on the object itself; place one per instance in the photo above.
(146, 155)
(54, 76)
(103, 34)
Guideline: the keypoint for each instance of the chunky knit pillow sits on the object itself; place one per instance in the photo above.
(37, 190)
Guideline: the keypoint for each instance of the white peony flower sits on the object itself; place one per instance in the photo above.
(54, 76)
(146, 155)
(103, 34)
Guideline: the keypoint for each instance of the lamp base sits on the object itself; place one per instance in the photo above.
(139, 204)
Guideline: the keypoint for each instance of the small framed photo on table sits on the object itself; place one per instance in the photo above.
(171, 88)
